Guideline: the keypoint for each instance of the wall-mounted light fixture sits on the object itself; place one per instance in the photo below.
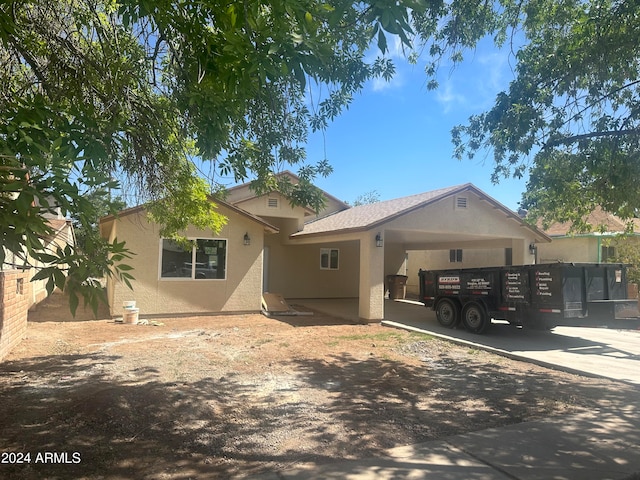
(379, 242)
(246, 239)
(532, 248)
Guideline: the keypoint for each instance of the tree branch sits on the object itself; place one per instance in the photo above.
(577, 138)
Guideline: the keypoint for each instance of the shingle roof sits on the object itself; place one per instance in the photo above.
(217, 201)
(363, 217)
(598, 218)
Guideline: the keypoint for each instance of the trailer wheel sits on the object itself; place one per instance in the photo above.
(475, 318)
(447, 313)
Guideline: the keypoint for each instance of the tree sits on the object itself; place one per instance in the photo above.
(102, 205)
(571, 115)
(627, 251)
(98, 91)
(367, 198)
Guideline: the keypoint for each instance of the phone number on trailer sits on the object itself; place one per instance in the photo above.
(15, 458)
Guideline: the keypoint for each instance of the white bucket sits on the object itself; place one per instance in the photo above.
(130, 315)
(129, 304)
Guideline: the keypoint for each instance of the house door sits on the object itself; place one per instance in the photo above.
(265, 269)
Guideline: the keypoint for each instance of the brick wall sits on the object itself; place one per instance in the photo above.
(15, 299)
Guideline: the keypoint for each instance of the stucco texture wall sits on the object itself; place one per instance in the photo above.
(240, 291)
(570, 249)
(294, 270)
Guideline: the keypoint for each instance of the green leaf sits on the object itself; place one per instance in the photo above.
(382, 41)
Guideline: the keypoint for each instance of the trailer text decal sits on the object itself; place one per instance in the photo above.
(543, 279)
(514, 289)
(449, 282)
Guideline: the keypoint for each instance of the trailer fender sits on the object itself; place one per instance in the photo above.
(475, 317)
(447, 312)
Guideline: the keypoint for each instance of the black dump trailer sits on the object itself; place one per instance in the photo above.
(534, 296)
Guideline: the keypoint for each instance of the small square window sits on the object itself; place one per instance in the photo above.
(455, 255)
(608, 254)
(329, 258)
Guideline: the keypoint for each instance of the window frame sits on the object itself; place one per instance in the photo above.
(193, 261)
(328, 251)
(607, 252)
(455, 255)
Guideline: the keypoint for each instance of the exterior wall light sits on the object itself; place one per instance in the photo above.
(246, 239)
(532, 248)
(379, 242)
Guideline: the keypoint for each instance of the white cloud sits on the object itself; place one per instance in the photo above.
(380, 84)
(448, 97)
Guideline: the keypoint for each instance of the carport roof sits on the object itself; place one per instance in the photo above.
(365, 217)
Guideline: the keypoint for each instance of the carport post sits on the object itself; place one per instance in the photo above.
(371, 290)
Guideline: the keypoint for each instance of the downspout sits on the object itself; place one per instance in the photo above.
(599, 249)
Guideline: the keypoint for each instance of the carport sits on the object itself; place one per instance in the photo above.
(456, 217)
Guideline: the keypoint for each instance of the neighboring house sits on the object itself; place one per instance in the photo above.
(340, 252)
(18, 293)
(598, 245)
(62, 235)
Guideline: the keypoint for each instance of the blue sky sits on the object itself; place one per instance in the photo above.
(395, 138)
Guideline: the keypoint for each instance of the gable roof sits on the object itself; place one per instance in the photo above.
(240, 197)
(365, 217)
(598, 218)
(267, 226)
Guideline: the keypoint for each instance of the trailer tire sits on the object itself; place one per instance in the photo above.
(475, 318)
(447, 313)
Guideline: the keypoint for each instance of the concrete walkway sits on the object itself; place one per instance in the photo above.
(599, 445)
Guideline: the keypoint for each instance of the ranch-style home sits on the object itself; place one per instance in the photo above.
(340, 252)
(600, 244)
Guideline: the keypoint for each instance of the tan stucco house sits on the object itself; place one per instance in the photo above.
(598, 245)
(340, 252)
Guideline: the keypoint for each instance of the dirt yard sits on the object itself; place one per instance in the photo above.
(236, 396)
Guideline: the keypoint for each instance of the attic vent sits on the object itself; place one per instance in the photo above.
(461, 203)
(272, 203)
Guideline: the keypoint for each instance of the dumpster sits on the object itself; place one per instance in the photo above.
(397, 285)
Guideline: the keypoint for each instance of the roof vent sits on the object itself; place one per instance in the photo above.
(272, 202)
(461, 203)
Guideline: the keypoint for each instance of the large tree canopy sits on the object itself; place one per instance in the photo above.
(94, 93)
(571, 116)
(124, 95)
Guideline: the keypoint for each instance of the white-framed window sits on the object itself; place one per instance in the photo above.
(203, 259)
(329, 258)
(455, 255)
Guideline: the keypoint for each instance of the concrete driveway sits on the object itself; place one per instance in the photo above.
(602, 352)
(595, 351)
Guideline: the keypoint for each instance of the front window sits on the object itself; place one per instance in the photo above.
(201, 259)
(329, 258)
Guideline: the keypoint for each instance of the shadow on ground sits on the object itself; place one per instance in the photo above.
(129, 424)
(55, 308)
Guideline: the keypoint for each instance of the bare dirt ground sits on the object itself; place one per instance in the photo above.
(236, 396)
